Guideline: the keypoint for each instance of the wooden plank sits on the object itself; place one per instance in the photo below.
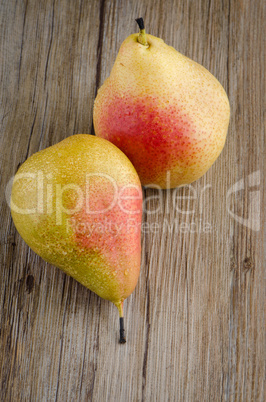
(49, 62)
(195, 321)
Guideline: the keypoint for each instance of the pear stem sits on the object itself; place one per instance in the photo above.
(121, 322)
(142, 34)
(122, 330)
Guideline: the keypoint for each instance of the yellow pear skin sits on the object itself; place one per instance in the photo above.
(167, 113)
(78, 204)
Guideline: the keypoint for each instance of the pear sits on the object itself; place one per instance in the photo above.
(167, 113)
(78, 205)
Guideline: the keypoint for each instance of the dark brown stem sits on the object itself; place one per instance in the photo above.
(140, 23)
(122, 330)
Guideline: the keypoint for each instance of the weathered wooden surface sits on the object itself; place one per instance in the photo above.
(195, 324)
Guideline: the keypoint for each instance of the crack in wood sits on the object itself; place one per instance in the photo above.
(22, 42)
(49, 48)
(99, 53)
(147, 318)
(31, 131)
(96, 350)
(62, 337)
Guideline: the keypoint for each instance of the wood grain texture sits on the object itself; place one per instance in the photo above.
(195, 323)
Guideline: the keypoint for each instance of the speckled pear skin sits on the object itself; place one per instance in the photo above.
(167, 113)
(97, 245)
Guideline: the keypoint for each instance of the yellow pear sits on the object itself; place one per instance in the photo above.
(167, 113)
(78, 204)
